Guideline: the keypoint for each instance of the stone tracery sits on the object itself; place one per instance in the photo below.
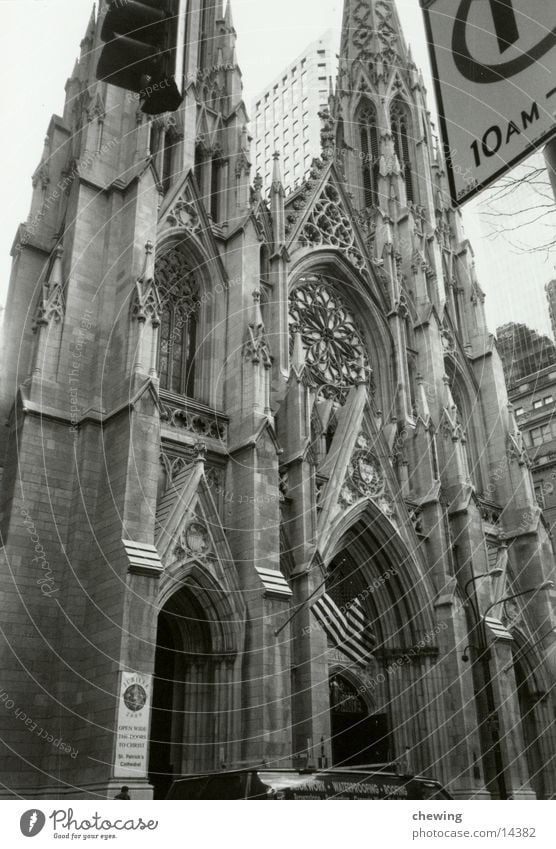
(334, 347)
(179, 297)
(329, 225)
(176, 283)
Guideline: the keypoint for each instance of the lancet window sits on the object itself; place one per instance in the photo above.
(400, 122)
(179, 299)
(370, 152)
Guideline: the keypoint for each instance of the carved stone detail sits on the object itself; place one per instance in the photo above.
(362, 33)
(477, 295)
(387, 35)
(51, 303)
(448, 340)
(515, 450)
(416, 519)
(328, 225)
(299, 200)
(365, 479)
(382, 51)
(193, 421)
(364, 471)
(490, 514)
(184, 213)
(331, 392)
(213, 477)
(173, 465)
(257, 348)
(194, 541)
(512, 613)
(327, 134)
(146, 302)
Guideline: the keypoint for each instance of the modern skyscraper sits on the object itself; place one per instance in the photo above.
(551, 298)
(529, 361)
(285, 114)
(534, 399)
(220, 407)
(523, 351)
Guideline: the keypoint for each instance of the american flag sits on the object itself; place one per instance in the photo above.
(348, 631)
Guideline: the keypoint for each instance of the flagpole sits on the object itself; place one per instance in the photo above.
(304, 602)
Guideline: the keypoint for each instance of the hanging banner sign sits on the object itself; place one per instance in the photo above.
(132, 732)
(494, 70)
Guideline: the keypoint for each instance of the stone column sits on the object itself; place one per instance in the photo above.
(512, 747)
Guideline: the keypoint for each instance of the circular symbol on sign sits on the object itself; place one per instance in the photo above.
(507, 33)
(32, 822)
(135, 698)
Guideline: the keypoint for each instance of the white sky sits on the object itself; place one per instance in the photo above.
(39, 41)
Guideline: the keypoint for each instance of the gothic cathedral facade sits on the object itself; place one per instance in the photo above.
(216, 406)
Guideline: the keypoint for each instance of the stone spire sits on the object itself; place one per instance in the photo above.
(298, 358)
(87, 47)
(228, 19)
(372, 35)
(277, 203)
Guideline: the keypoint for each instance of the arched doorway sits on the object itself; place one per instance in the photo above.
(360, 734)
(184, 722)
(369, 565)
(358, 737)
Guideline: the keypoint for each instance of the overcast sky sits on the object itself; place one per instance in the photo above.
(39, 42)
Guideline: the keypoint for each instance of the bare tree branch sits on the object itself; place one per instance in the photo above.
(520, 200)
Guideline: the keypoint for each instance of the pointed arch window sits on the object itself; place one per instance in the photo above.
(179, 308)
(201, 166)
(167, 159)
(368, 135)
(203, 35)
(466, 420)
(400, 123)
(199, 162)
(215, 188)
(265, 264)
(154, 138)
(340, 142)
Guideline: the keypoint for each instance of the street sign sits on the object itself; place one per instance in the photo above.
(494, 70)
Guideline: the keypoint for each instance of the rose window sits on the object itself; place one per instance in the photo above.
(334, 347)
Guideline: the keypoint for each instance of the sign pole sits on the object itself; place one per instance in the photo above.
(550, 159)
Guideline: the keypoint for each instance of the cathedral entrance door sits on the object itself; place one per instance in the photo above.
(357, 737)
(184, 721)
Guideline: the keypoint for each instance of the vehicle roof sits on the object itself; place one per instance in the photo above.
(373, 769)
(365, 769)
(244, 769)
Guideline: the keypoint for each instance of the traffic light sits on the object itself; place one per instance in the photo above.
(144, 51)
